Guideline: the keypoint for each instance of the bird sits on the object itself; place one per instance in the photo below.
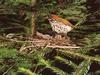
(60, 25)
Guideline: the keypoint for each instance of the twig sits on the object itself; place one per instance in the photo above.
(69, 47)
(2, 67)
(22, 48)
(50, 46)
(34, 41)
(87, 57)
(36, 68)
(81, 21)
(8, 70)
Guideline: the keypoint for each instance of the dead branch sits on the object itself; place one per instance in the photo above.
(50, 46)
(64, 47)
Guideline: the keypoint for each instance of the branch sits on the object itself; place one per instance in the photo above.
(8, 70)
(50, 46)
(87, 57)
(64, 47)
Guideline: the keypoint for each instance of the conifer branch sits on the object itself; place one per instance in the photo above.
(83, 68)
(66, 61)
(73, 53)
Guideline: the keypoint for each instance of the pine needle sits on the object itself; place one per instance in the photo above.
(75, 54)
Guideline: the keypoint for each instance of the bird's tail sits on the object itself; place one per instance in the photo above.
(81, 21)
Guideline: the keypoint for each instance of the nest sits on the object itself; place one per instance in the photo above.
(43, 40)
(58, 40)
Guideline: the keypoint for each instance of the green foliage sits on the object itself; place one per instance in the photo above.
(90, 42)
(10, 9)
(16, 2)
(8, 57)
(75, 10)
(26, 71)
(8, 53)
(93, 40)
(13, 62)
(83, 68)
(65, 61)
(47, 64)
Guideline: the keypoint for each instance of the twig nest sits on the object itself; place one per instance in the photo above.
(43, 36)
(53, 40)
(62, 41)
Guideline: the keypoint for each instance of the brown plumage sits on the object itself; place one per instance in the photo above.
(60, 25)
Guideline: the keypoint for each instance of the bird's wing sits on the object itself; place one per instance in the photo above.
(57, 18)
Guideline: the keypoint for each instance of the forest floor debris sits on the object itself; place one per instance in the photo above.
(43, 40)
